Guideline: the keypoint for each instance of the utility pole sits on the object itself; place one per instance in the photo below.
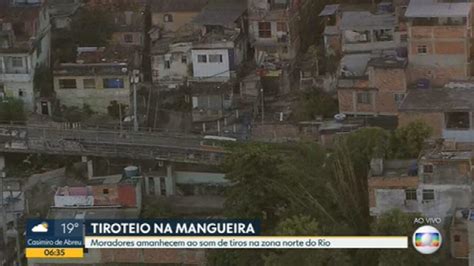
(263, 106)
(4, 211)
(135, 80)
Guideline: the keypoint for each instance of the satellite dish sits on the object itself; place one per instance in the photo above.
(340, 117)
(124, 70)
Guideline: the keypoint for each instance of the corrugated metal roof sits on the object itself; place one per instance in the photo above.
(352, 20)
(329, 10)
(418, 9)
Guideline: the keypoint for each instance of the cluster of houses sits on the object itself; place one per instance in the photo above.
(409, 61)
(199, 45)
(400, 60)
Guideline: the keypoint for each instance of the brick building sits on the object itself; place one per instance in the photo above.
(449, 111)
(439, 41)
(168, 16)
(379, 89)
(435, 185)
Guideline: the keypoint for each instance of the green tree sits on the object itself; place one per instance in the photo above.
(315, 102)
(365, 144)
(156, 208)
(407, 142)
(302, 225)
(252, 168)
(116, 110)
(11, 109)
(92, 27)
(398, 223)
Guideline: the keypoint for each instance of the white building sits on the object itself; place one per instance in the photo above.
(24, 46)
(211, 63)
(171, 60)
(222, 46)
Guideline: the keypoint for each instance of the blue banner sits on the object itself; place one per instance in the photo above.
(54, 233)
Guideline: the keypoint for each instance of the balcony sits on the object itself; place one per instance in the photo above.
(459, 135)
(15, 75)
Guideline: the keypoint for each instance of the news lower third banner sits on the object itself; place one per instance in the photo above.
(68, 238)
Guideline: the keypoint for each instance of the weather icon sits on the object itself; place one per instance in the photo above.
(40, 228)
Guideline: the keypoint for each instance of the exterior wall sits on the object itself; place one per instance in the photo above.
(459, 249)
(447, 56)
(281, 49)
(388, 83)
(15, 80)
(179, 20)
(332, 44)
(434, 120)
(368, 46)
(98, 99)
(13, 88)
(447, 199)
(389, 191)
(348, 102)
(119, 38)
(177, 71)
(199, 178)
(208, 69)
(447, 172)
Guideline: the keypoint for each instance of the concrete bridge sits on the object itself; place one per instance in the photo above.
(106, 143)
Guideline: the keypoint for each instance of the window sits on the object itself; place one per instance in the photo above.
(398, 97)
(105, 191)
(168, 18)
(281, 26)
(116, 83)
(167, 64)
(427, 168)
(422, 49)
(457, 120)
(403, 37)
(128, 38)
(202, 58)
(67, 84)
(89, 83)
(21, 93)
(215, 58)
(264, 30)
(17, 61)
(428, 194)
(184, 59)
(364, 98)
(410, 194)
(457, 238)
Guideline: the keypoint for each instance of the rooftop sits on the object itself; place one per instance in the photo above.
(354, 65)
(163, 6)
(388, 62)
(439, 99)
(329, 10)
(128, 21)
(394, 168)
(113, 60)
(424, 9)
(224, 13)
(353, 20)
(103, 213)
